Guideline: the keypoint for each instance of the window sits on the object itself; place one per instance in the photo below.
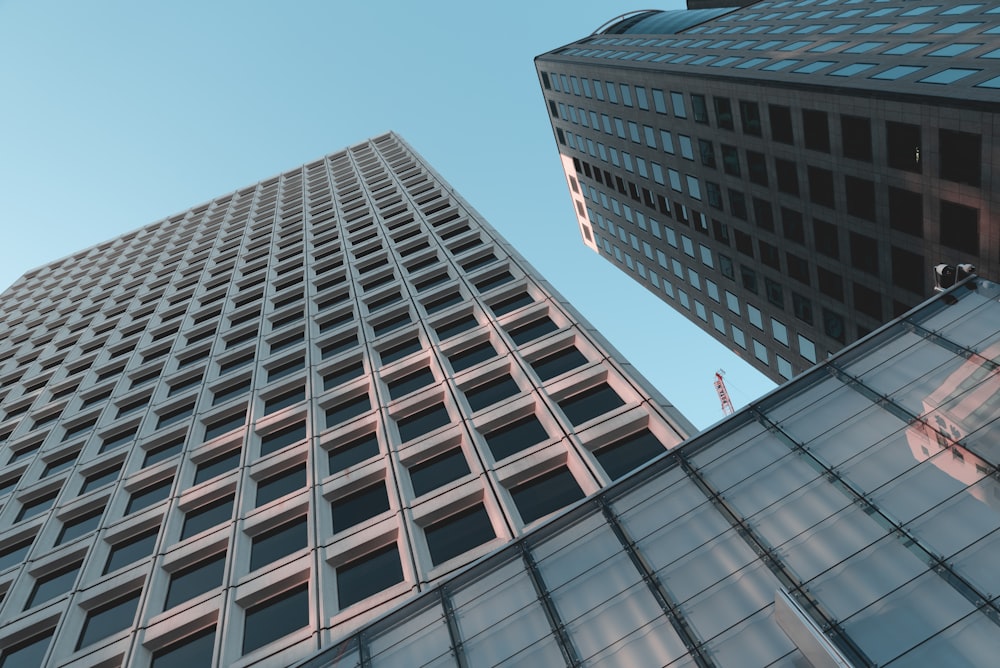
(677, 101)
(458, 534)
(860, 197)
(864, 253)
(775, 293)
(830, 283)
(28, 652)
(757, 168)
(532, 330)
(131, 550)
(750, 118)
(410, 383)
(279, 542)
(816, 130)
(788, 179)
(195, 650)
(368, 575)
(699, 109)
(195, 580)
(960, 156)
(908, 270)
(275, 618)
(856, 133)
(623, 455)
(781, 124)
(399, 351)
(558, 363)
(867, 301)
(730, 160)
(723, 113)
(826, 238)
(433, 473)
(359, 506)
(802, 308)
(798, 268)
(359, 450)
(590, 403)
(906, 211)
(207, 516)
(147, 496)
(491, 392)
(280, 484)
(283, 437)
(53, 584)
(348, 410)
(903, 146)
(769, 254)
(472, 356)
(80, 525)
(109, 619)
(960, 227)
(512, 438)
(833, 325)
(546, 494)
(821, 186)
(422, 422)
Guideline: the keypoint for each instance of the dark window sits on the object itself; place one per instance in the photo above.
(906, 211)
(730, 160)
(207, 516)
(792, 227)
(769, 254)
(449, 329)
(80, 525)
(781, 124)
(340, 345)
(368, 575)
(833, 325)
(546, 494)
(175, 415)
(902, 142)
(816, 130)
(117, 440)
(195, 580)
(432, 473)
(60, 464)
(821, 187)
(720, 231)
(28, 652)
(864, 253)
(515, 437)
(714, 194)
(228, 392)
(723, 112)
(444, 302)
(798, 268)
(360, 449)
(284, 400)
(224, 425)
(590, 403)
(558, 363)
(284, 437)
(826, 237)
(410, 383)
(775, 293)
(458, 533)
(830, 283)
(860, 197)
(131, 550)
(707, 152)
(217, 466)
(512, 303)
(744, 243)
(286, 369)
(763, 214)
(195, 650)
(961, 156)
(750, 118)
(348, 410)
(757, 168)
(470, 357)
(109, 619)
(960, 228)
(788, 178)
(867, 301)
(726, 266)
(391, 324)
(738, 204)
(802, 308)
(341, 375)
(275, 618)
(749, 278)
(531, 331)
(908, 270)
(278, 542)
(53, 584)
(489, 393)
(622, 456)
(856, 133)
(280, 484)
(699, 109)
(147, 496)
(399, 351)
(422, 422)
(14, 554)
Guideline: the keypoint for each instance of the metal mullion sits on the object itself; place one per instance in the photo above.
(662, 596)
(452, 623)
(571, 656)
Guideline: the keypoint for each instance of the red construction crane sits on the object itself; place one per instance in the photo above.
(720, 388)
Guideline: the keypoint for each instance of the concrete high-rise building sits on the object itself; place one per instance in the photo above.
(786, 174)
(850, 518)
(238, 434)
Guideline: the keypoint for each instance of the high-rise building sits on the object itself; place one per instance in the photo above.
(786, 174)
(236, 435)
(850, 518)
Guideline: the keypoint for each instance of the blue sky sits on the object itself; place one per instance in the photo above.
(117, 114)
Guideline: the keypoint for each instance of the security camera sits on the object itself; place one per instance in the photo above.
(944, 276)
(964, 271)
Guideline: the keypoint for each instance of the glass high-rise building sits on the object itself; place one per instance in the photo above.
(236, 435)
(788, 173)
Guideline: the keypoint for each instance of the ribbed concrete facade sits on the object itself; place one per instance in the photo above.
(237, 434)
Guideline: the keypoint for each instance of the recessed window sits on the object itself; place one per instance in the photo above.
(109, 619)
(906, 211)
(224, 425)
(217, 466)
(28, 652)
(622, 456)
(860, 197)
(280, 484)
(80, 525)
(207, 516)
(15, 553)
(471, 356)
(36, 506)
(781, 124)
(960, 228)
(856, 133)
(361, 449)
(449, 329)
(491, 392)
(275, 618)
(546, 494)
(342, 374)
(399, 351)
(348, 410)
(590, 403)
(131, 550)
(512, 438)
(51, 585)
(224, 394)
(360, 506)
(960, 156)
(284, 400)
(368, 575)
(195, 580)
(410, 383)
(279, 542)
(432, 473)
(458, 534)
(195, 650)
(558, 363)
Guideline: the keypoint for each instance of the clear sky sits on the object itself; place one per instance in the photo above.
(116, 114)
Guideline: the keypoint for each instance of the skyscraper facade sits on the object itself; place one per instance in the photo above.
(237, 434)
(850, 518)
(785, 174)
